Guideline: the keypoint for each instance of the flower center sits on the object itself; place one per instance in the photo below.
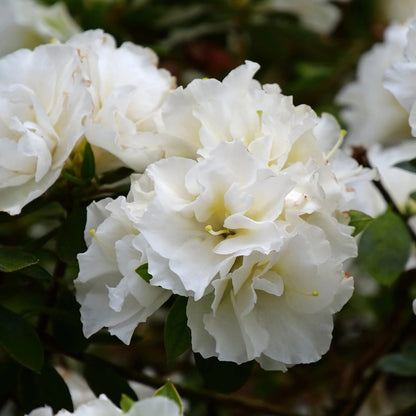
(224, 232)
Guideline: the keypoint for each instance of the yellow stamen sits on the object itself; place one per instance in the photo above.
(315, 293)
(337, 144)
(100, 242)
(219, 232)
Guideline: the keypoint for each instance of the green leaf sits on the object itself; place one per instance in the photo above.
(177, 333)
(399, 364)
(143, 272)
(36, 390)
(384, 247)
(223, 376)
(12, 259)
(70, 240)
(115, 175)
(20, 341)
(359, 221)
(88, 164)
(126, 403)
(102, 378)
(70, 176)
(37, 272)
(168, 390)
(409, 165)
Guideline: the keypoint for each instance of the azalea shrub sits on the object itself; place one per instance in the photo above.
(207, 208)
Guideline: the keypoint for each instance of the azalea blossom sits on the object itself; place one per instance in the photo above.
(127, 89)
(110, 291)
(223, 227)
(230, 228)
(400, 77)
(44, 102)
(28, 23)
(159, 405)
(371, 113)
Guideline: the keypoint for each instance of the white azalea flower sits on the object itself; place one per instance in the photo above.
(371, 113)
(400, 78)
(110, 292)
(231, 229)
(317, 15)
(43, 103)
(28, 23)
(159, 405)
(127, 90)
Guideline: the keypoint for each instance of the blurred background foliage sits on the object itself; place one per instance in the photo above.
(194, 39)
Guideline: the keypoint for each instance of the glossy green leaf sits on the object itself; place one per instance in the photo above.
(102, 378)
(177, 333)
(36, 390)
(143, 272)
(126, 403)
(384, 247)
(409, 165)
(13, 259)
(359, 221)
(20, 341)
(399, 364)
(223, 376)
(169, 390)
(88, 164)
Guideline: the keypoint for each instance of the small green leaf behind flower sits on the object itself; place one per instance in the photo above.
(177, 333)
(409, 165)
(168, 390)
(143, 272)
(126, 403)
(359, 220)
(384, 247)
(13, 259)
(20, 340)
(88, 164)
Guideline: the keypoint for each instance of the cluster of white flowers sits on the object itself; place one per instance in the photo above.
(158, 405)
(380, 114)
(57, 94)
(233, 182)
(249, 181)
